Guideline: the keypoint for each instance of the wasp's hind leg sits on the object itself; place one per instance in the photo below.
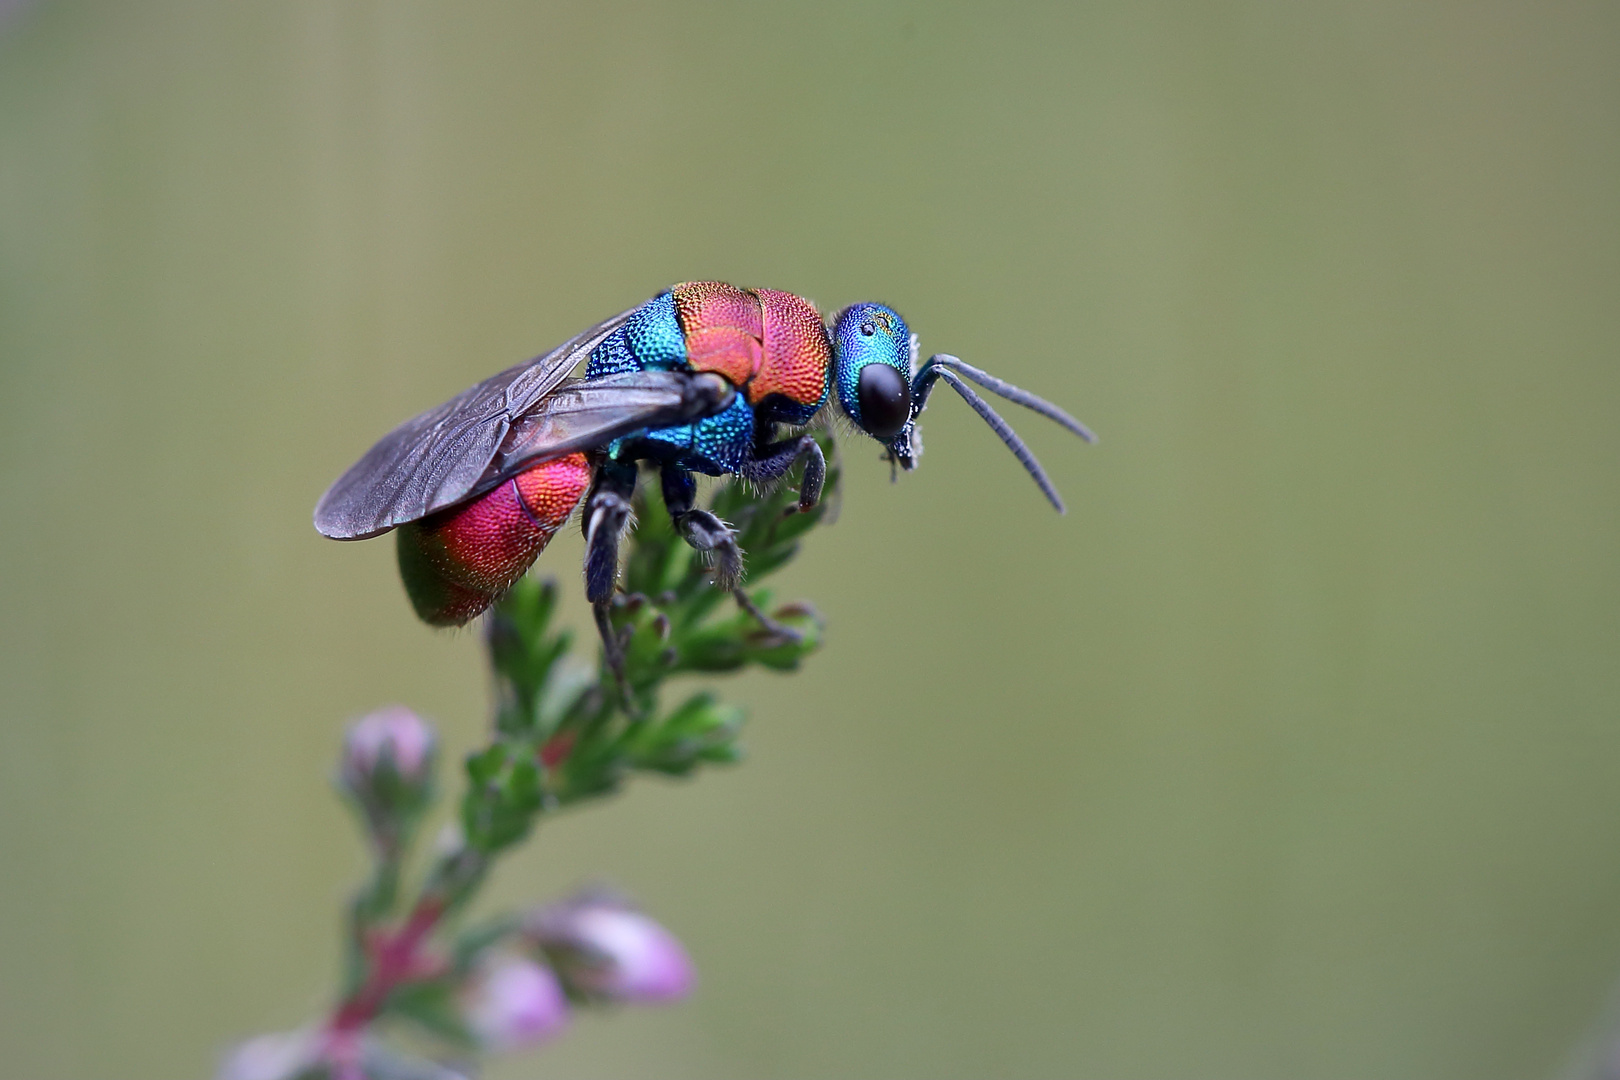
(775, 460)
(607, 512)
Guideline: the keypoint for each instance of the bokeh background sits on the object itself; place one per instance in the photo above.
(1292, 751)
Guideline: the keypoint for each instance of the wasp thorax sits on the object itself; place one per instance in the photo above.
(872, 355)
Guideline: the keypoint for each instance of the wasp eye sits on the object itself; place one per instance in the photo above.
(885, 400)
(867, 329)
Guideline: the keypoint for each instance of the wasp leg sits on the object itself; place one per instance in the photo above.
(705, 532)
(775, 460)
(607, 512)
(768, 624)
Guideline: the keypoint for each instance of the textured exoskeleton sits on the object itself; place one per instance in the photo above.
(703, 378)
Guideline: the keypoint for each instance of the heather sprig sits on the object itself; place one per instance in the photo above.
(562, 734)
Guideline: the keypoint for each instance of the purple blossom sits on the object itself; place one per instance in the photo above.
(269, 1057)
(512, 1002)
(394, 734)
(604, 948)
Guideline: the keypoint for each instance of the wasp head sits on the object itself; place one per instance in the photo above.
(872, 369)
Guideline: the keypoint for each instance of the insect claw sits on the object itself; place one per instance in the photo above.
(771, 627)
(800, 609)
(714, 540)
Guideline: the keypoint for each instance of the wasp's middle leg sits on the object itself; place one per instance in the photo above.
(705, 532)
(710, 535)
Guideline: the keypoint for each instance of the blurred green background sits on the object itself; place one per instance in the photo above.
(1292, 751)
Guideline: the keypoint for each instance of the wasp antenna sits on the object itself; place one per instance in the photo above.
(1016, 395)
(1008, 435)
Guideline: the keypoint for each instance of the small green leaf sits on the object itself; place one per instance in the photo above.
(483, 765)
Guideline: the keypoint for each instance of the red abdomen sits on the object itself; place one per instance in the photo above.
(458, 562)
(770, 344)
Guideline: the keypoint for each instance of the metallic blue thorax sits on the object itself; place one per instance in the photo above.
(651, 340)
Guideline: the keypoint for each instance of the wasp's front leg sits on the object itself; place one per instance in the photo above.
(607, 512)
(775, 460)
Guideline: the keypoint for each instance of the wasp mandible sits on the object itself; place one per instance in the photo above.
(703, 378)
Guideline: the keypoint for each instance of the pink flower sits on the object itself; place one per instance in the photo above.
(269, 1057)
(604, 948)
(394, 734)
(512, 1001)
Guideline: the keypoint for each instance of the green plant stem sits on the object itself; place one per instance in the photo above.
(561, 737)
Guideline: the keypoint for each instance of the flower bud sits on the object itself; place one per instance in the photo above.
(388, 768)
(603, 947)
(281, 1056)
(512, 1002)
(394, 734)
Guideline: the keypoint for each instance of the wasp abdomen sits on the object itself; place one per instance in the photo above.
(458, 562)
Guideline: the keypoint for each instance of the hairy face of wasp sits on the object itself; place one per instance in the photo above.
(872, 369)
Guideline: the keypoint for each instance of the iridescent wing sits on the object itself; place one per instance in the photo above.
(581, 414)
(526, 414)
